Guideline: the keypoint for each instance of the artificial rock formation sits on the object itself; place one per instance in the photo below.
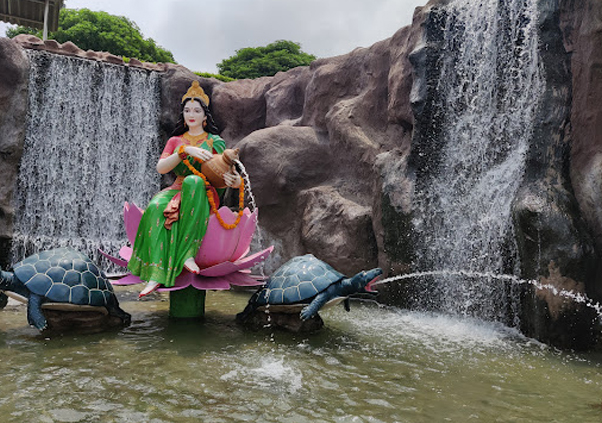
(581, 23)
(14, 68)
(333, 149)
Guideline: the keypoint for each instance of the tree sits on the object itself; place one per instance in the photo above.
(252, 63)
(101, 31)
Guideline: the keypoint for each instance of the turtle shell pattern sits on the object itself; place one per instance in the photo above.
(66, 276)
(297, 280)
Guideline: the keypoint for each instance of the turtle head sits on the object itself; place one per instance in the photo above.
(6, 280)
(362, 281)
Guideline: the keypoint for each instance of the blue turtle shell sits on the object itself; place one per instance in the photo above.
(66, 276)
(298, 280)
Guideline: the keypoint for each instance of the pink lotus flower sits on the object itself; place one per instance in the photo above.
(222, 256)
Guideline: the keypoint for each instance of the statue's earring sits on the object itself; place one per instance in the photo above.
(204, 123)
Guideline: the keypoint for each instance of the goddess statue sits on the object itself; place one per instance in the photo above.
(175, 221)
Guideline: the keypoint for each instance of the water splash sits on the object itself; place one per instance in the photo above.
(259, 239)
(488, 94)
(91, 144)
(248, 190)
(515, 280)
(272, 373)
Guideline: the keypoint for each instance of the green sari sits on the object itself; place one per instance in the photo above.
(159, 252)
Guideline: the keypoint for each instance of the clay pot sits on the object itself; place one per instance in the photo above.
(215, 168)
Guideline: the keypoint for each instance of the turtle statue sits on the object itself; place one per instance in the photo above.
(305, 284)
(64, 277)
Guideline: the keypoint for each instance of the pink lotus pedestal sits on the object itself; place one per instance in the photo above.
(223, 259)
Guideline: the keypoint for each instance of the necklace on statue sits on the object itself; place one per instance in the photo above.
(195, 140)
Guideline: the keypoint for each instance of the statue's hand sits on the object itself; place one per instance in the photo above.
(232, 179)
(198, 153)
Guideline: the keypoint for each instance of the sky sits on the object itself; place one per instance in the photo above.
(202, 33)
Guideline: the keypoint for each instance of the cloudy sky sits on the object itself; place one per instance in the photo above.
(201, 33)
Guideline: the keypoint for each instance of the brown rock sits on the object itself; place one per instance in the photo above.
(239, 107)
(284, 160)
(52, 46)
(71, 49)
(28, 41)
(582, 28)
(14, 68)
(337, 230)
(80, 321)
(135, 63)
(333, 79)
(111, 58)
(260, 320)
(400, 77)
(286, 96)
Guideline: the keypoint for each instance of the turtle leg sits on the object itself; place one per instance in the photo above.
(249, 309)
(347, 304)
(312, 308)
(114, 310)
(35, 317)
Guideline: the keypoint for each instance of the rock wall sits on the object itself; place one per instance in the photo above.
(14, 72)
(554, 242)
(331, 152)
(581, 22)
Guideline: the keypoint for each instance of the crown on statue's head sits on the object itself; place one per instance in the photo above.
(195, 91)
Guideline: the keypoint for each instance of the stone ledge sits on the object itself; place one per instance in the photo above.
(70, 49)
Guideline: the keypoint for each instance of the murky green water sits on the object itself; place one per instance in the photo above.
(370, 365)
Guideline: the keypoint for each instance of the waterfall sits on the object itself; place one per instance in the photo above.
(487, 96)
(91, 143)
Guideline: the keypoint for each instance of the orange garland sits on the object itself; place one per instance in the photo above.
(241, 195)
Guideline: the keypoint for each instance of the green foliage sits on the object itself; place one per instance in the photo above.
(278, 56)
(101, 31)
(214, 75)
(13, 32)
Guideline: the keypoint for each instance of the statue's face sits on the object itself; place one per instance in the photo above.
(194, 115)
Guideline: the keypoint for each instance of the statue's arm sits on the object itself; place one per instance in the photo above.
(168, 163)
(170, 157)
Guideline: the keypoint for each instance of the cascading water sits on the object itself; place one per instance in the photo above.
(91, 143)
(488, 93)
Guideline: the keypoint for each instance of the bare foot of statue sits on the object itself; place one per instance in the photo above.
(191, 266)
(150, 287)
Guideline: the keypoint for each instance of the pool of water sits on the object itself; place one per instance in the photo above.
(373, 364)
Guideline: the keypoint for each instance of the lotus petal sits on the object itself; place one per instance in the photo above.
(132, 214)
(127, 280)
(186, 279)
(246, 234)
(253, 259)
(226, 267)
(221, 244)
(126, 253)
(219, 269)
(242, 279)
(117, 261)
